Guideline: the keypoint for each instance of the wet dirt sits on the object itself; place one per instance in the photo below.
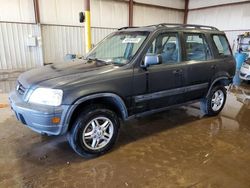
(176, 148)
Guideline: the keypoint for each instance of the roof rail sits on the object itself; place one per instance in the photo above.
(188, 25)
(126, 28)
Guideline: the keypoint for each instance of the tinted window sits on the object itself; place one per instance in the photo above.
(221, 45)
(197, 47)
(167, 46)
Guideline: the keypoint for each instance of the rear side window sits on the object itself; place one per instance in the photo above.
(196, 47)
(222, 45)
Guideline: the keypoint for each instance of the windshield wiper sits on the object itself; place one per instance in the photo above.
(108, 62)
(95, 59)
(116, 63)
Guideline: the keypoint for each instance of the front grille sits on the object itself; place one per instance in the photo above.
(20, 88)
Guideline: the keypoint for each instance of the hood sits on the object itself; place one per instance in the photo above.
(62, 73)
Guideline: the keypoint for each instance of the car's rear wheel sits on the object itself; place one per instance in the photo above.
(215, 101)
(94, 132)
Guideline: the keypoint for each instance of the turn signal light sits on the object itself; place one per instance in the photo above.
(55, 120)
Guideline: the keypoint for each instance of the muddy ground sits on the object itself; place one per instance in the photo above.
(176, 148)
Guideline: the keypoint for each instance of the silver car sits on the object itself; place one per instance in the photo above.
(245, 70)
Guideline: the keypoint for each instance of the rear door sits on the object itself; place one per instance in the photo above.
(200, 64)
(223, 54)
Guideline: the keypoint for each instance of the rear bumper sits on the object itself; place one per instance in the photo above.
(39, 117)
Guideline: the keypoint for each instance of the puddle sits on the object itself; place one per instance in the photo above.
(176, 148)
(242, 93)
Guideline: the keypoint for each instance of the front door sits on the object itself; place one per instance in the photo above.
(166, 85)
(164, 80)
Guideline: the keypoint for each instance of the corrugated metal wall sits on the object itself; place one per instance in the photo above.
(226, 18)
(17, 11)
(63, 34)
(180, 4)
(14, 51)
(112, 14)
(61, 12)
(57, 41)
(153, 15)
(104, 13)
(61, 40)
(60, 32)
(233, 19)
(205, 3)
(100, 33)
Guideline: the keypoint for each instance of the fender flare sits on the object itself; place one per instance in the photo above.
(216, 80)
(117, 99)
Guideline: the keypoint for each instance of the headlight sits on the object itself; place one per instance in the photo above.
(46, 96)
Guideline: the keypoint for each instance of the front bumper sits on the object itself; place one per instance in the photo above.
(245, 72)
(39, 117)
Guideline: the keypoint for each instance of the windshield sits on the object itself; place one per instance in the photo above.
(118, 48)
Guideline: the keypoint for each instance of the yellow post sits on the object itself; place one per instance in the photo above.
(87, 31)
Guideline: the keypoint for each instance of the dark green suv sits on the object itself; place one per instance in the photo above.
(131, 73)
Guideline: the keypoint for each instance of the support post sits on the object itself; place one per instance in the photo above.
(38, 32)
(186, 12)
(87, 27)
(36, 11)
(131, 4)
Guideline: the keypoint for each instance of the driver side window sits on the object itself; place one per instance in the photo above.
(166, 45)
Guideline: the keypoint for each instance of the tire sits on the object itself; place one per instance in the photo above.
(96, 123)
(212, 105)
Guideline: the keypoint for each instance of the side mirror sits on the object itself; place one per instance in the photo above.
(81, 17)
(151, 60)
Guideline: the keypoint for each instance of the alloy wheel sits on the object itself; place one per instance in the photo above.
(98, 133)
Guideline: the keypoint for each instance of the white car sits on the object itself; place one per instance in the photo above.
(245, 70)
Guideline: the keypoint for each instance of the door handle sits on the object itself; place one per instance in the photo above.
(177, 72)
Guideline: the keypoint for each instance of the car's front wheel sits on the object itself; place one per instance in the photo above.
(215, 101)
(94, 132)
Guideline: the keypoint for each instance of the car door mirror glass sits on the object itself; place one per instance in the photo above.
(151, 59)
